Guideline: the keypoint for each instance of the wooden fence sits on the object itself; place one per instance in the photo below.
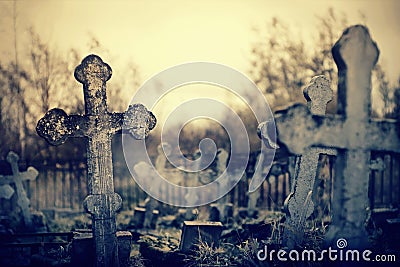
(384, 186)
(63, 186)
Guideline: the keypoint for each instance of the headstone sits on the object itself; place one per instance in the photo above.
(83, 250)
(253, 197)
(228, 213)
(242, 213)
(214, 214)
(203, 158)
(39, 222)
(190, 214)
(152, 204)
(299, 205)
(163, 150)
(194, 233)
(252, 203)
(98, 126)
(139, 218)
(143, 169)
(221, 212)
(222, 159)
(151, 214)
(17, 179)
(124, 247)
(352, 133)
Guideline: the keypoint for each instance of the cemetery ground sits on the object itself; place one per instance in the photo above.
(241, 238)
(243, 235)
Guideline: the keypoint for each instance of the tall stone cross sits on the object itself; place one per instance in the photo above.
(17, 178)
(98, 126)
(351, 132)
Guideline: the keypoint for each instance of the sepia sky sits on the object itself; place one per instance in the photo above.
(156, 34)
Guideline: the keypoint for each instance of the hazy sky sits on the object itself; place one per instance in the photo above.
(159, 34)
(156, 35)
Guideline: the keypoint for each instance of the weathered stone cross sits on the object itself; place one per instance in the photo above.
(352, 133)
(98, 125)
(299, 204)
(17, 178)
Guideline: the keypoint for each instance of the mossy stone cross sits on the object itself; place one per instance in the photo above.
(98, 126)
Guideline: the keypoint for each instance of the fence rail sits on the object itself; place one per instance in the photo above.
(64, 186)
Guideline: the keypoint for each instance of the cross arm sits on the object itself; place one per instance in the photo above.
(56, 126)
(137, 121)
(4, 180)
(30, 174)
(13, 159)
(299, 129)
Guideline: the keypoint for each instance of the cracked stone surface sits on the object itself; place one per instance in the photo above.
(299, 205)
(99, 126)
(351, 132)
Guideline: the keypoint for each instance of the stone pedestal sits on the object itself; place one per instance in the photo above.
(83, 251)
(194, 232)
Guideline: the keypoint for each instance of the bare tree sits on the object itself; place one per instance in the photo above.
(45, 80)
(393, 102)
(10, 107)
(282, 64)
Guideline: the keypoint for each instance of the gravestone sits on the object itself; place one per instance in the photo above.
(163, 151)
(252, 200)
(214, 213)
(351, 132)
(83, 250)
(228, 213)
(138, 219)
(299, 205)
(124, 247)
(253, 197)
(151, 204)
(17, 178)
(98, 126)
(208, 172)
(222, 159)
(195, 232)
(143, 169)
(220, 210)
(151, 214)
